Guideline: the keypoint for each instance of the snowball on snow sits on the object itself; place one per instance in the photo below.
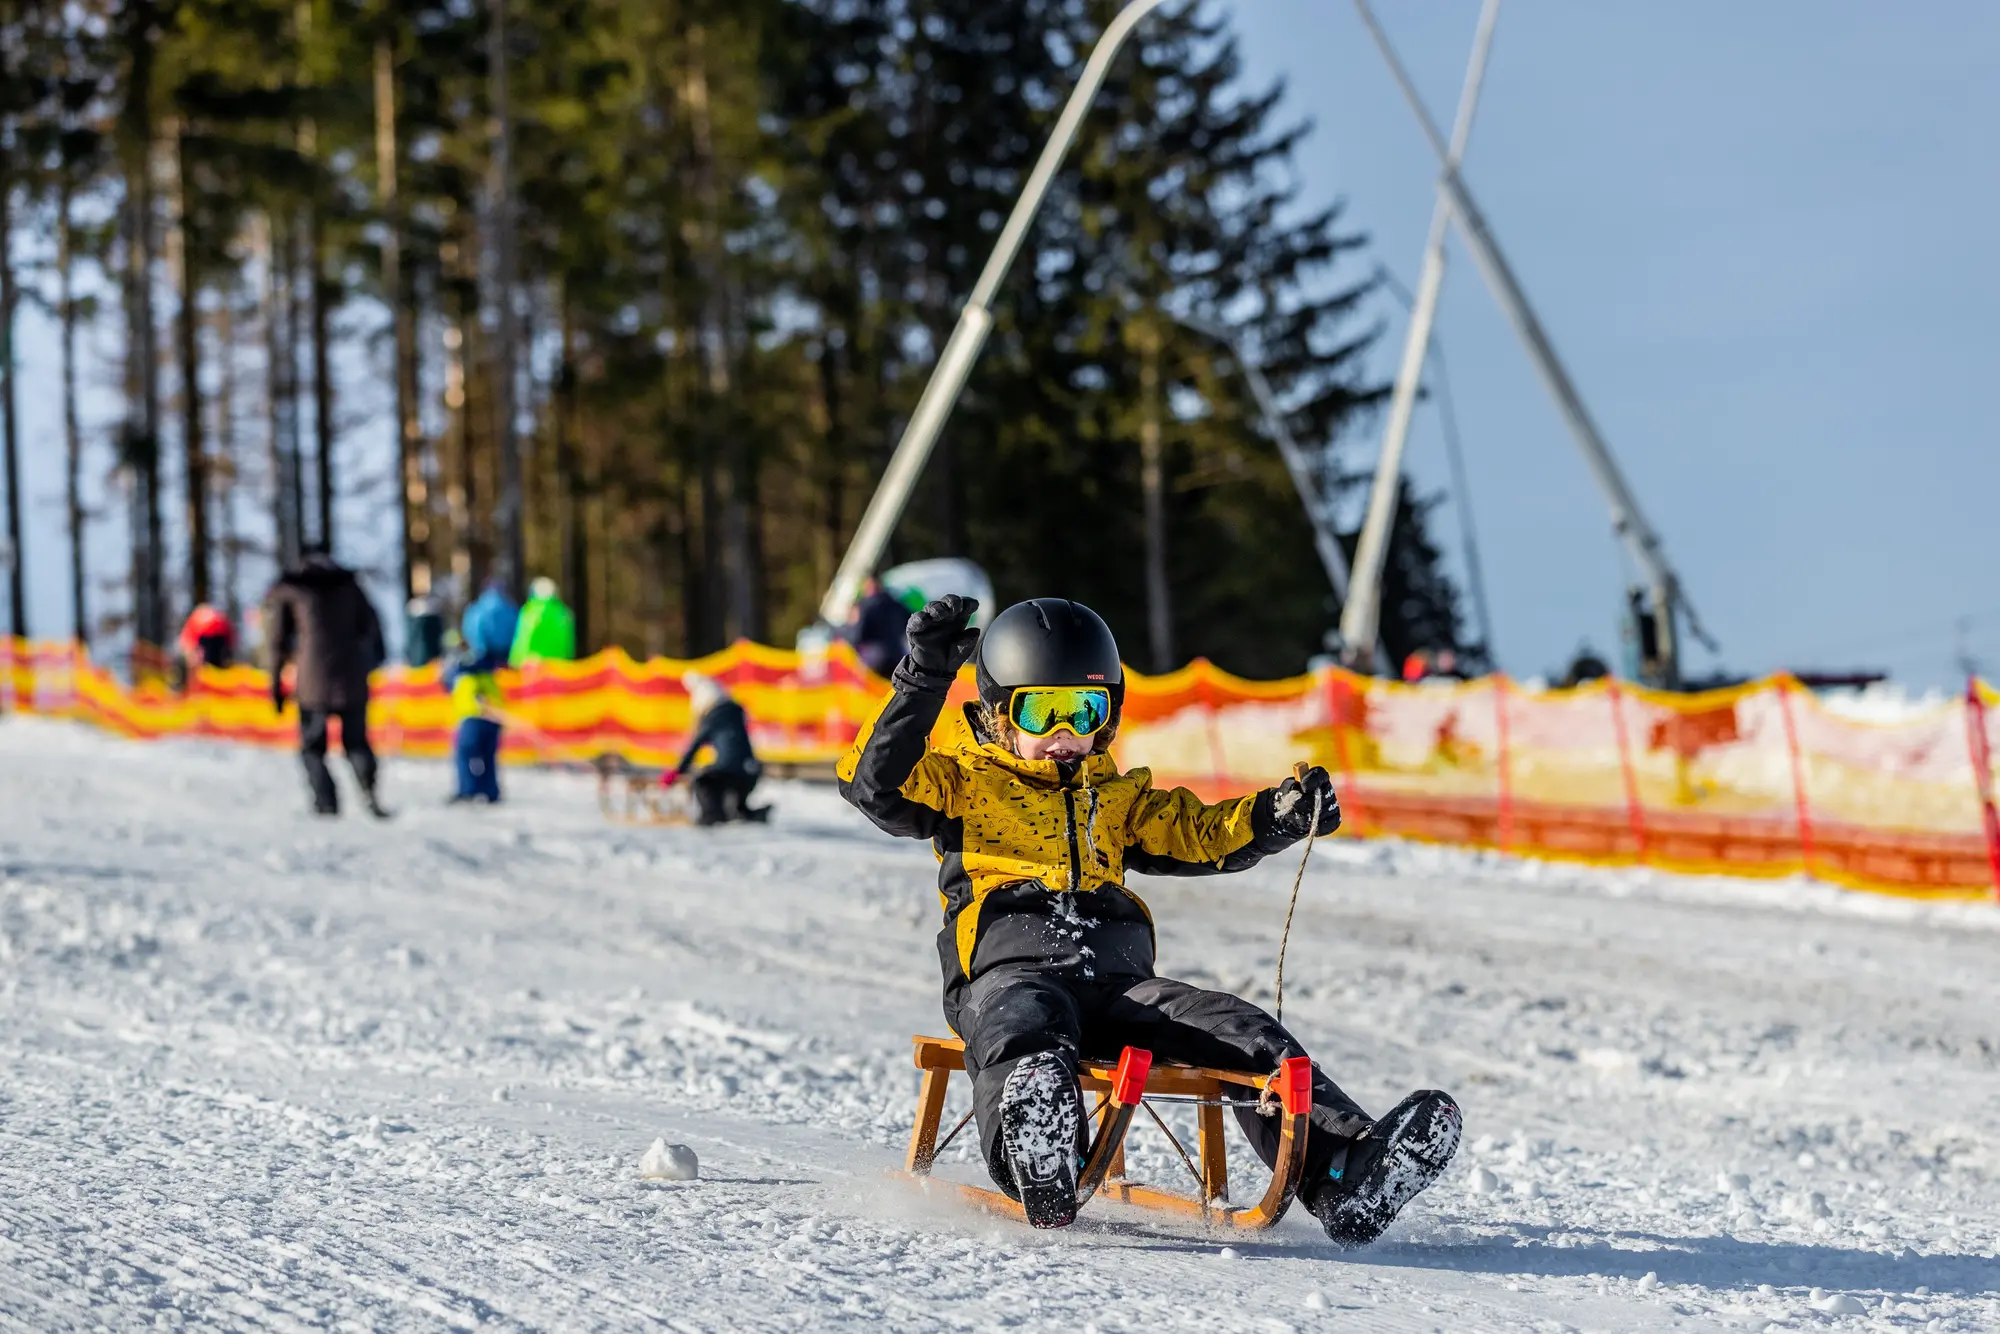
(669, 1162)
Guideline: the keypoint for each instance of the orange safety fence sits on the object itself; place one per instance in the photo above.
(1761, 779)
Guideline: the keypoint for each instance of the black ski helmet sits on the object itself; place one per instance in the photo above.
(1048, 642)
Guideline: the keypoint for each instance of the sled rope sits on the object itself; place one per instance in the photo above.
(1186, 1161)
(946, 1143)
(1297, 880)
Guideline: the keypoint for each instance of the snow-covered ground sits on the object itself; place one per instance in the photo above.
(259, 1070)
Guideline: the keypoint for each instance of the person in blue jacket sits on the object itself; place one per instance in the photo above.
(489, 623)
(722, 787)
(475, 708)
(487, 634)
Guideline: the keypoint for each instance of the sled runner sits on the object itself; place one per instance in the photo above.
(631, 794)
(1123, 1087)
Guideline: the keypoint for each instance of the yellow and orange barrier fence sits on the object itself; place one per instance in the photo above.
(1762, 779)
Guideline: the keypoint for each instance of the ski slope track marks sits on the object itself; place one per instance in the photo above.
(260, 1071)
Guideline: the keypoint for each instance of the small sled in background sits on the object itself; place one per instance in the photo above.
(630, 793)
(1124, 1088)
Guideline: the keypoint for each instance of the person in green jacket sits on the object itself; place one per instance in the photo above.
(546, 631)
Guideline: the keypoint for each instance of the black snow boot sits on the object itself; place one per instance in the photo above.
(1387, 1167)
(325, 796)
(374, 803)
(1039, 1125)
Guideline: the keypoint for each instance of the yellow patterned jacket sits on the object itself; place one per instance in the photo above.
(1032, 853)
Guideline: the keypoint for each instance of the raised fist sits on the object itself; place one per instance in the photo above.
(940, 640)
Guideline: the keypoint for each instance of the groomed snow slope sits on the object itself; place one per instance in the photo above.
(260, 1071)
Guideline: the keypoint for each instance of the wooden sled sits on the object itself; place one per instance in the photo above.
(628, 793)
(1123, 1087)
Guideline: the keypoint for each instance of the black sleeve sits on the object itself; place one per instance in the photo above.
(373, 651)
(280, 628)
(889, 750)
(1269, 840)
(704, 735)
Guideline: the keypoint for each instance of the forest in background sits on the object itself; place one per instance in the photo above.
(639, 295)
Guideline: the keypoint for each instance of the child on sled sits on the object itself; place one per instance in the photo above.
(1047, 956)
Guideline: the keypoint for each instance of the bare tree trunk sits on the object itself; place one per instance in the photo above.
(597, 545)
(729, 491)
(458, 475)
(1152, 486)
(321, 292)
(72, 432)
(227, 464)
(572, 537)
(510, 554)
(16, 554)
(194, 451)
(158, 631)
(528, 408)
(284, 458)
(149, 596)
(409, 427)
(132, 441)
(294, 400)
(712, 571)
(701, 616)
(139, 452)
(833, 453)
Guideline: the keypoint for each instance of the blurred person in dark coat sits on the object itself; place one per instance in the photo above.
(318, 618)
(722, 787)
(875, 628)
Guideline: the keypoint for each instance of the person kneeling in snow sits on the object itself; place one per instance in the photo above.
(722, 787)
(1047, 957)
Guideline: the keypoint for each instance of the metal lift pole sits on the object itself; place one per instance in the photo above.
(1627, 520)
(892, 493)
(1361, 615)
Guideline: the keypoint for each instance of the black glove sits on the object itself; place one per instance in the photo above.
(1292, 805)
(940, 642)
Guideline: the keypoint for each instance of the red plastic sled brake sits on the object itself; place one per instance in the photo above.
(1124, 1085)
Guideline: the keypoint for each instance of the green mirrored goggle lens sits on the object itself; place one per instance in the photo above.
(1040, 710)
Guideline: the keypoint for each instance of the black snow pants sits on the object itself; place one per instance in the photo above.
(1009, 1013)
(313, 725)
(722, 794)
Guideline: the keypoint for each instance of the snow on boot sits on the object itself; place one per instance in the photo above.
(1387, 1167)
(1039, 1122)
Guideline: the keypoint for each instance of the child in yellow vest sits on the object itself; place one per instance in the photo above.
(1047, 956)
(476, 702)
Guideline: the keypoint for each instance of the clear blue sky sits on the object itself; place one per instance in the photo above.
(1758, 233)
(1761, 235)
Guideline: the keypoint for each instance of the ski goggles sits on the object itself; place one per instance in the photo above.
(1040, 710)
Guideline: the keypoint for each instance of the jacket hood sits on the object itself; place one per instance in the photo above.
(704, 691)
(489, 623)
